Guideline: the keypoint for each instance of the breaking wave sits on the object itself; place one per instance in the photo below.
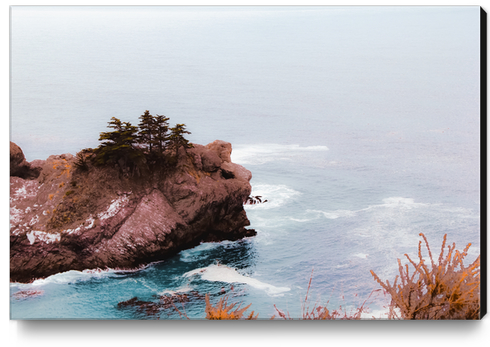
(222, 273)
(276, 195)
(70, 276)
(184, 289)
(73, 276)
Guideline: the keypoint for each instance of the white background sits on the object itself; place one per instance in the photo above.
(161, 333)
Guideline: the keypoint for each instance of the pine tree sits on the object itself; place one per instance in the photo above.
(177, 139)
(161, 136)
(136, 148)
(118, 146)
(147, 131)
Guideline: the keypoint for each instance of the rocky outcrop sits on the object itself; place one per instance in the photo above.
(222, 148)
(73, 219)
(19, 166)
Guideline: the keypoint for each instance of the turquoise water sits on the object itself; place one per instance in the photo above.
(360, 126)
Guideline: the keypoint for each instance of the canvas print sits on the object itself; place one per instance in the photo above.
(252, 163)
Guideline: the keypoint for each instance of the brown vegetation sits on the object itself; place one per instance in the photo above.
(446, 290)
(222, 311)
(318, 312)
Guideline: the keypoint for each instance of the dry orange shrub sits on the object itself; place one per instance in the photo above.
(318, 312)
(222, 311)
(446, 290)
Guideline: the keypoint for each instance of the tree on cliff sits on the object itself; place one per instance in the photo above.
(118, 146)
(146, 130)
(132, 147)
(153, 133)
(177, 139)
(161, 136)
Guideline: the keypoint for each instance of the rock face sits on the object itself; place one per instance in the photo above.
(74, 219)
(19, 166)
(222, 148)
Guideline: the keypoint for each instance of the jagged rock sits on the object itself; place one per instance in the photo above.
(208, 160)
(73, 220)
(232, 170)
(19, 166)
(222, 148)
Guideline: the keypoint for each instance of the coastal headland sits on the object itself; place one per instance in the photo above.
(68, 214)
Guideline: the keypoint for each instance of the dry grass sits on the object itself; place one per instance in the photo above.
(319, 312)
(446, 290)
(223, 311)
(182, 299)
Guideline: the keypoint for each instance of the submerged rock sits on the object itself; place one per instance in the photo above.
(71, 219)
(166, 303)
(25, 294)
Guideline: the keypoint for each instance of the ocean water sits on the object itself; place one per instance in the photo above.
(360, 125)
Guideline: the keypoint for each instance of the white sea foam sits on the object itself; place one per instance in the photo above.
(388, 203)
(199, 252)
(222, 273)
(264, 153)
(310, 215)
(361, 255)
(72, 276)
(399, 202)
(183, 289)
(263, 237)
(301, 220)
(276, 195)
(394, 225)
(335, 214)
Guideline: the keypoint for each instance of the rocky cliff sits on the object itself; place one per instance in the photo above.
(64, 216)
